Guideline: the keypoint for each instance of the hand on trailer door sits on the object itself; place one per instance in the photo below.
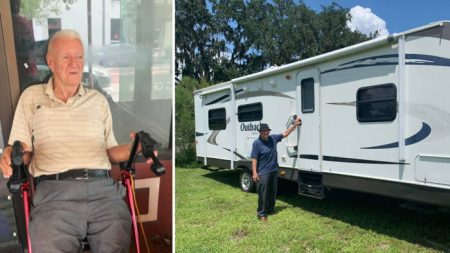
(298, 121)
(5, 161)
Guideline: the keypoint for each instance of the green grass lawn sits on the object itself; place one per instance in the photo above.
(213, 215)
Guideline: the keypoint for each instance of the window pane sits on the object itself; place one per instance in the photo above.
(250, 112)
(115, 30)
(379, 92)
(128, 59)
(307, 95)
(377, 111)
(54, 25)
(217, 119)
(377, 103)
(128, 54)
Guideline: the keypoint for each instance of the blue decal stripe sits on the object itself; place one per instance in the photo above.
(353, 160)
(217, 99)
(423, 133)
(347, 160)
(412, 59)
(360, 66)
(312, 157)
(371, 58)
(236, 153)
(423, 59)
(224, 97)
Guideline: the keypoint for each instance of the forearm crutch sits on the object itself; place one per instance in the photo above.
(19, 187)
(127, 172)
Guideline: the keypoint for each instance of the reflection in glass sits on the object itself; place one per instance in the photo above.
(128, 58)
(25, 46)
(128, 48)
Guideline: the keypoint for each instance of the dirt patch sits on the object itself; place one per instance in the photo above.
(239, 234)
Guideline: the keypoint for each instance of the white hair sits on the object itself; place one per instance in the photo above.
(66, 33)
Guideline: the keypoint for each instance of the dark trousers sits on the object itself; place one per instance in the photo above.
(66, 211)
(267, 193)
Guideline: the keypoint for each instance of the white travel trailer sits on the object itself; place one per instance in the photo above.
(376, 118)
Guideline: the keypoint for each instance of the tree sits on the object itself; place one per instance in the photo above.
(218, 40)
(283, 32)
(41, 9)
(333, 31)
(231, 17)
(198, 50)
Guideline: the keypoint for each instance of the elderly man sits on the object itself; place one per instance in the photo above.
(67, 132)
(265, 167)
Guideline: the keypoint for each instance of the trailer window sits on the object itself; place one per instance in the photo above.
(250, 112)
(376, 103)
(307, 95)
(217, 119)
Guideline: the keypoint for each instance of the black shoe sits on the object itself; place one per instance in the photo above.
(262, 218)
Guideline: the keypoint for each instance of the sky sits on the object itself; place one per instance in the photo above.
(389, 16)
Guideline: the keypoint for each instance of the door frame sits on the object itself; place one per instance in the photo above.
(314, 160)
(9, 77)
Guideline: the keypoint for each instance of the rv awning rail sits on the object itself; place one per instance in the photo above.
(335, 54)
(320, 58)
(425, 27)
(214, 89)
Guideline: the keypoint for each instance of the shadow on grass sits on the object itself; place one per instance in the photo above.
(379, 214)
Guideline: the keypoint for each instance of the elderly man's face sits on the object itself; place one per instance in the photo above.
(264, 134)
(66, 60)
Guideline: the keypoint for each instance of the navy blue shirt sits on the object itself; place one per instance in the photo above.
(265, 152)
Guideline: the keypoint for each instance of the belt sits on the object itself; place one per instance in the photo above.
(77, 174)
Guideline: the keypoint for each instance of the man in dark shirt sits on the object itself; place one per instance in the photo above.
(265, 167)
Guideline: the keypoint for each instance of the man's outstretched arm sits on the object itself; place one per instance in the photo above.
(288, 131)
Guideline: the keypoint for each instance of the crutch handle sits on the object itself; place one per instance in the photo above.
(17, 153)
(14, 181)
(148, 147)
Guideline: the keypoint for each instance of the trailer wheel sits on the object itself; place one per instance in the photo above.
(245, 181)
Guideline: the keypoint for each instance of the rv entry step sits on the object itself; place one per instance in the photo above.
(310, 184)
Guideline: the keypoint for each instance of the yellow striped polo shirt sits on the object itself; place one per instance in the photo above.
(63, 136)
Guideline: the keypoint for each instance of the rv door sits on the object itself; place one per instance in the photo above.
(217, 147)
(308, 109)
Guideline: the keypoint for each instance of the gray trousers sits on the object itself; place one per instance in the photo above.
(267, 193)
(67, 211)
